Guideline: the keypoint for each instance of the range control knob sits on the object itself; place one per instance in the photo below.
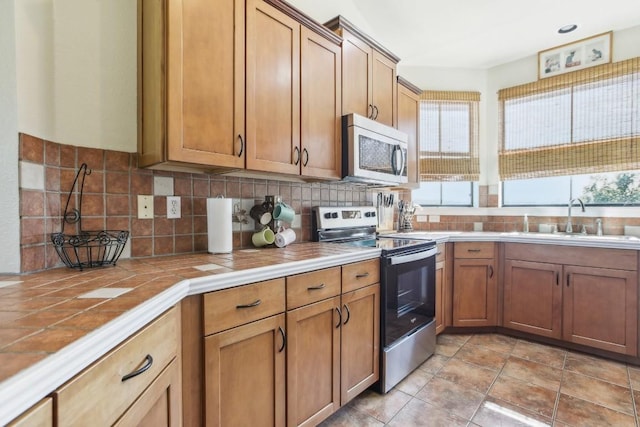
(327, 215)
(373, 213)
(368, 214)
(334, 215)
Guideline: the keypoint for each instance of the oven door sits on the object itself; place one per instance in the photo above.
(409, 292)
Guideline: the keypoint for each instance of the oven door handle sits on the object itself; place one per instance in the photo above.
(403, 259)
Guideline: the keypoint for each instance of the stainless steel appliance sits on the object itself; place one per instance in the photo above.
(372, 152)
(407, 287)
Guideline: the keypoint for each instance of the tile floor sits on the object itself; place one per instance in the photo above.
(495, 380)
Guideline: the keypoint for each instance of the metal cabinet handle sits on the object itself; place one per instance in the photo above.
(253, 304)
(346, 308)
(375, 117)
(305, 154)
(557, 279)
(241, 145)
(339, 317)
(296, 150)
(473, 250)
(147, 364)
(284, 339)
(568, 275)
(370, 115)
(361, 275)
(490, 271)
(316, 288)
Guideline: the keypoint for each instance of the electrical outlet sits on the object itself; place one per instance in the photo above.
(145, 207)
(173, 207)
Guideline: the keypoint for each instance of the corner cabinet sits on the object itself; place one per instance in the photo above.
(368, 74)
(586, 296)
(475, 284)
(408, 114)
(237, 84)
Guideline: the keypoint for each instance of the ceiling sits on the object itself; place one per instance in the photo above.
(476, 34)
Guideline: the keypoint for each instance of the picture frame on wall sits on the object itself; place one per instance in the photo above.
(585, 53)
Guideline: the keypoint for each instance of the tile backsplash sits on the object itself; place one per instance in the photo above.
(110, 201)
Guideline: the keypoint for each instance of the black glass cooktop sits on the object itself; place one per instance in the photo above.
(392, 244)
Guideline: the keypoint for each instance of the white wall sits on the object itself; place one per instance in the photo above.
(9, 211)
(77, 71)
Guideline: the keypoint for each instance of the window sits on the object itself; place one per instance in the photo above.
(449, 161)
(563, 134)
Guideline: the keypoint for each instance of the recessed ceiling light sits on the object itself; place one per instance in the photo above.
(567, 28)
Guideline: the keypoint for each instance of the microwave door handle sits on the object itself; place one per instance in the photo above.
(393, 159)
(403, 259)
(403, 160)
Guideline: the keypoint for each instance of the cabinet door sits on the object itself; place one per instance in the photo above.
(205, 46)
(160, 404)
(360, 341)
(313, 362)
(600, 308)
(533, 297)
(475, 292)
(408, 108)
(385, 95)
(357, 66)
(245, 375)
(321, 68)
(273, 89)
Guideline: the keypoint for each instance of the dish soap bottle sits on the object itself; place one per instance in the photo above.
(525, 225)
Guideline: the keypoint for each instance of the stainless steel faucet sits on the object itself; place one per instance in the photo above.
(571, 202)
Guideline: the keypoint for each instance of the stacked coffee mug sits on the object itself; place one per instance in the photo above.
(271, 217)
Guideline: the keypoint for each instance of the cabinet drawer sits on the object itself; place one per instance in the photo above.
(40, 415)
(306, 288)
(99, 395)
(236, 306)
(474, 250)
(360, 274)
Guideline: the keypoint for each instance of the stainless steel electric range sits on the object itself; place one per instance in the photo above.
(407, 281)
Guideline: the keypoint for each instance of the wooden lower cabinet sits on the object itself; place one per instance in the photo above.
(360, 350)
(40, 415)
(533, 297)
(245, 375)
(600, 308)
(593, 304)
(475, 292)
(313, 362)
(159, 405)
(138, 381)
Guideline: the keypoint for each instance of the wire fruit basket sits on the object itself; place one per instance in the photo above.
(87, 248)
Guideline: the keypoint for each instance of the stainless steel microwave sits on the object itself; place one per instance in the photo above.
(373, 153)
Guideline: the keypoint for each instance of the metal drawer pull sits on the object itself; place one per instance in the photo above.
(284, 339)
(316, 288)
(147, 365)
(346, 308)
(339, 317)
(568, 279)
(490, 272)
(253, 304)
(305, 154)
(473, 250)
(557, 278)
(296, 150)
(360, 276)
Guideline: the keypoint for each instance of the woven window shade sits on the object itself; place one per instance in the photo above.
(449, 136)
(586, 121)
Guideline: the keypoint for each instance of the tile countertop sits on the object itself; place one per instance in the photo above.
(55, 323)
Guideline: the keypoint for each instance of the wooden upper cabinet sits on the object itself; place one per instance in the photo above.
(273, 89)
(321, 138)
(191, 83)
(368, 74)
(408, 113)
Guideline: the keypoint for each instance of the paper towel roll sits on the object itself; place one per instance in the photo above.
(219, 228)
